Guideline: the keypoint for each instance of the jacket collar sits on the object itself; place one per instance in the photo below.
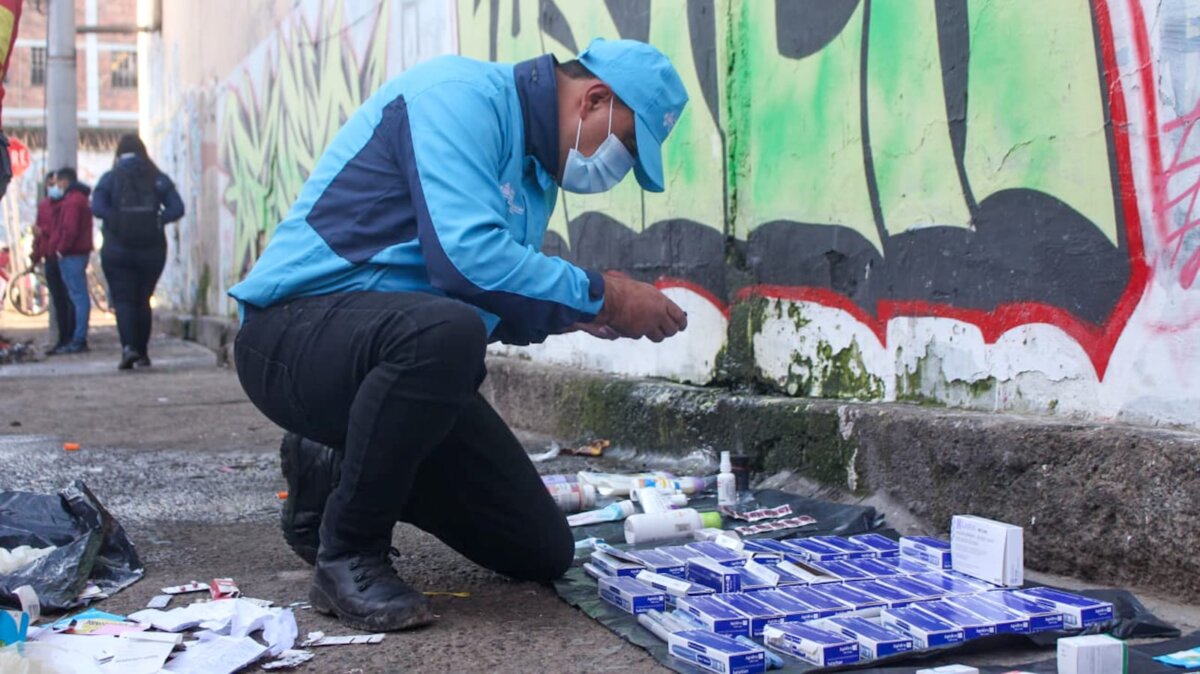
(538, 91)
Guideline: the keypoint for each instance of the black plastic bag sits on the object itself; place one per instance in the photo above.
(91, 545)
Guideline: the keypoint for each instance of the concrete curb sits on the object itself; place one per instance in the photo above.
(1110, 503)
(215, 332)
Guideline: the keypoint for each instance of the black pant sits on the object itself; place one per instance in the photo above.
(64, 311)
(132, 274)
(392, 379)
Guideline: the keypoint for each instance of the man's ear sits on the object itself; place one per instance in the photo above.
(596, 96)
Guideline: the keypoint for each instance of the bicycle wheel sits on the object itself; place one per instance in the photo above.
(98, 291)
(29, 293)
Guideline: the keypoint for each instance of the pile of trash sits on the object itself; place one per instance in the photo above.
(60, 552)
(212, 635)
(16, 352)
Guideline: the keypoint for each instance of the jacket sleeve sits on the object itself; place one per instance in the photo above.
(102, 198)
(169, 197)
(450, 145)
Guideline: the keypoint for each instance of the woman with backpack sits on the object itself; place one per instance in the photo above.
(134, 200)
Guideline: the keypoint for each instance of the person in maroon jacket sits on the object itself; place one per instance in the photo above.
(43, 231)
(72, 245)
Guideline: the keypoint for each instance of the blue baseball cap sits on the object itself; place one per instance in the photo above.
(644, 79)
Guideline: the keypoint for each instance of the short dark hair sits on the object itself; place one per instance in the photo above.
(576, 70)
(68, 173)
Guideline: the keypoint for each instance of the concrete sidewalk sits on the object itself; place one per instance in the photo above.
(190, 468)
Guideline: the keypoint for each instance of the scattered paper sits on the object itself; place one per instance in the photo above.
(319, 639)
(159, 637)
(289, 659)
(100, 649)
(222, 655)
(159, 601)
(138, 657)
(280, 632)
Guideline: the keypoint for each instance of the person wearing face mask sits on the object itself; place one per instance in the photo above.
(44, 228)
(72, 246)
(414, 242)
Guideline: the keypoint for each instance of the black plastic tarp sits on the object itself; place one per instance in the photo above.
(90, 545)
(1133, 620)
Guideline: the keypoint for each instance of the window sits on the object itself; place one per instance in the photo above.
(124, 70)
(37, 66)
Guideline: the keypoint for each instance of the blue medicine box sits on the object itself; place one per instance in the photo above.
(711, 573)
(874, 642)
(759, 613)
(717, 653)
(876, 568)
(893, 597)
(720, 553)
(926, 630)
(631, 596)
(825, 605)
(611, 566)
(680, 552)
(658, 562)
(715, 616)
(856, 550)
(816, 551)
(932, 551)
(792, 609)
(1043, 616)
(922, 591)
(858, 600)
(973, 626)
(822, 648)
(1078, 612)
(882, 545)
(1006, 620)
(949, 585)
(841, 569)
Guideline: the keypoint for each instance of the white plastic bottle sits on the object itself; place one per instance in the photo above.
(726, 484)
(643, 528)
(573, 497)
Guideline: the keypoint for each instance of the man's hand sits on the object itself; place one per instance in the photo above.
(635, 309)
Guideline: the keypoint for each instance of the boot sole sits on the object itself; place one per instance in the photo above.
(321, 603)
(303, 549)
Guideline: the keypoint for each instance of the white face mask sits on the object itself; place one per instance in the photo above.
(601, 171)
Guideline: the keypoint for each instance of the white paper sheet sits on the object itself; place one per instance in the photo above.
(222, 655)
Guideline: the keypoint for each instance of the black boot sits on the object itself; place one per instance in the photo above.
(128, 358)
(312, 471)
(364, 592)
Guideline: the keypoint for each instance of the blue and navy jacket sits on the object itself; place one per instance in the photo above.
(442, 182)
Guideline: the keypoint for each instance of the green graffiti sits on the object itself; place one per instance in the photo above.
(271, 135)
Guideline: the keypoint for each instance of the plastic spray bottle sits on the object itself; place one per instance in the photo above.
(726, 483)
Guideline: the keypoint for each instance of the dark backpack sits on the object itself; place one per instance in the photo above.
(135, 221)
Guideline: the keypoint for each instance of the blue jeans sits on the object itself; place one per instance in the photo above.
(74, 276)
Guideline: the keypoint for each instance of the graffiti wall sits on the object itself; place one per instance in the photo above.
(940, 201)
(241, 143)
(943, 201)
